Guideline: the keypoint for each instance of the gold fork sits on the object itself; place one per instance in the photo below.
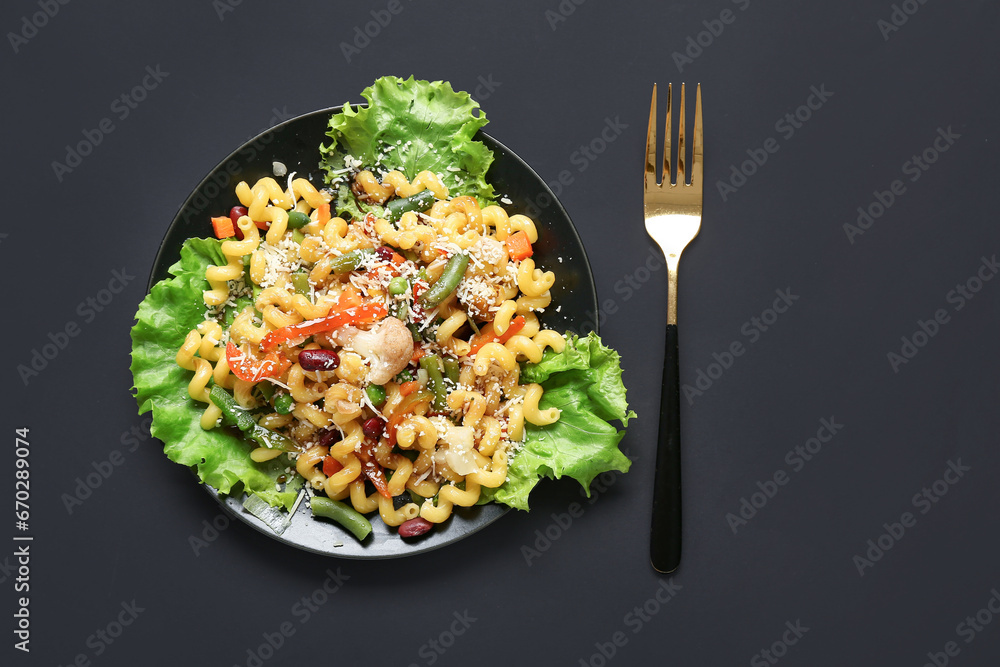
(673, 217)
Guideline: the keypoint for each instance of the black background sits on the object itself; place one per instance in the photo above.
(555, 85)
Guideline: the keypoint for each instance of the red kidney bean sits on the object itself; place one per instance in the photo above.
(384, 252)
(235, 213)
(318, 360)
(327, 436)
(414, 527)
(373, 427)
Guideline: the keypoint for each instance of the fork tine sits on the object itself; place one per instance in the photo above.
(680, 141)
(666, 138)
(698, 149)
(650, 175)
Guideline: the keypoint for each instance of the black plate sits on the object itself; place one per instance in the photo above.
(296, 144)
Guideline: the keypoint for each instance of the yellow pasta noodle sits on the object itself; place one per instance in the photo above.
(442, 430)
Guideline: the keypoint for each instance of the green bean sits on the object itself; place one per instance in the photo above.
(284, 403)
(435, 380)
(231, 409)
(451, 369)
(349, 261)
(246, 423)
(419, 202)
(298, 236)
(297, 219)
(429, 333)
(400, 311)
(398, 285)
(448, 282)
(348, 517)
(376, 394)
(300, 281)
(265, 437)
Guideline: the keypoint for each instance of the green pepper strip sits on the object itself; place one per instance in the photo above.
(349, 261)
(451, 370)
(300, 281)
(246, 423)
(231, 313)
(266, 390)
(448, 282)
(435, 380)
(419, 202)
(348, 517)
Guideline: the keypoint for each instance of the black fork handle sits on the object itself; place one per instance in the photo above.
(665, 536)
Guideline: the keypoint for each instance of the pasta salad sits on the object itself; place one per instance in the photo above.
(374, 341)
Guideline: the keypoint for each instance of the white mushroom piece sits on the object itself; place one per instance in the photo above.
(387, 347)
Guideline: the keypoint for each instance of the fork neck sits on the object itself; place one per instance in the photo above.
(672, 261)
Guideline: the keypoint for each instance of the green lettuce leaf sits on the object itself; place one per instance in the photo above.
(411, 126)
(221, 459)
(585, 382)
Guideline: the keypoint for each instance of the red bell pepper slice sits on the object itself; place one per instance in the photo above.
(252, 368)
(297, 332)
(331, 466)
(372, 470)
(488, 335)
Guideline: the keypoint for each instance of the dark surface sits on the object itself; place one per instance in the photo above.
(551, 91)
(295, 143)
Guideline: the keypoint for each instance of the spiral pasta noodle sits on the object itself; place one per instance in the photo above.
(424, 406)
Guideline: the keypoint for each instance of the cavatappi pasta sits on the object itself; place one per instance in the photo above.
(386, 349)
